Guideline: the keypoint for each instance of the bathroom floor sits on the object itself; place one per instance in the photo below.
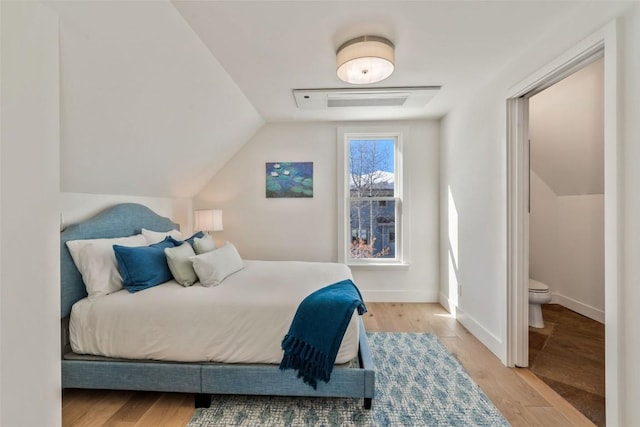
(568, 355)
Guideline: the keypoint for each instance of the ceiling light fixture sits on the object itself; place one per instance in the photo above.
(366, 59)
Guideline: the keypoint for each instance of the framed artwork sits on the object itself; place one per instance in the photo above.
(289, 179)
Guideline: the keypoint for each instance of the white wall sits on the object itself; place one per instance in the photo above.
(473, 217)
(474, 160)
(543, 234)
(566, 247)
(580, 285)
(29, 179)
(77, 207)
(306, 229)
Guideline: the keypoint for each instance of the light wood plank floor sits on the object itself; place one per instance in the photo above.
(517, 393)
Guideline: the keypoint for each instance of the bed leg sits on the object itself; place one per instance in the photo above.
(367, 403)
(202, 400)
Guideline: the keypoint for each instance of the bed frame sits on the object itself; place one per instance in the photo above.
(201, 379)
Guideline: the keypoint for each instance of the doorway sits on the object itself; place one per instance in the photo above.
(599, 44)
(566, 239)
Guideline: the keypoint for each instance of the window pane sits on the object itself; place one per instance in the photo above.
(372, 176)
(373, 231)
(372, 167)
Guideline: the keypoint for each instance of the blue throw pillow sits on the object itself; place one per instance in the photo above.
(143, 267)
(190, 240)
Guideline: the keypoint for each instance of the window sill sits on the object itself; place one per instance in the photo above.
(379, 266)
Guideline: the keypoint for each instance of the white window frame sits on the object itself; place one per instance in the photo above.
(344, 198)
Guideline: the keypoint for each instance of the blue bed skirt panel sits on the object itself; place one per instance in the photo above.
(150, 376)
(260, 379)
(218, 378)
(264, 379)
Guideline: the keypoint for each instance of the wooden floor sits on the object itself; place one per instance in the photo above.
(568, 355)
(517, 393)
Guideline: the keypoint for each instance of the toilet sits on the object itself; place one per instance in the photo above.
(538, 294)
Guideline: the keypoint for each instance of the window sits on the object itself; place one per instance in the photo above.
(370, 176)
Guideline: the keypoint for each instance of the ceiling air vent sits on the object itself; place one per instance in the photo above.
(397, 97)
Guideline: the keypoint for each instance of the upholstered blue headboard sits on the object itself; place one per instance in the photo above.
(121, 220)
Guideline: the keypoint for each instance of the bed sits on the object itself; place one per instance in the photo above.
(148, 367)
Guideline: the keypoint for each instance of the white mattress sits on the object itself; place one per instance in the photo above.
(243, 320)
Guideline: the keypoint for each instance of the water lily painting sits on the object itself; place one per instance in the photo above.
(289, 179)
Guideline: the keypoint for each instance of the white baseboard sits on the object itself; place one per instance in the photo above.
(399, 296)
(493, 343)
(448, 305)
(579, 307)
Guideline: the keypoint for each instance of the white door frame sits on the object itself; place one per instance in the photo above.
(603, 41)
(518, 231)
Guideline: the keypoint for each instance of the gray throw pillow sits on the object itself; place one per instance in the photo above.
(181, 265)
(213, 267)
(204, 245)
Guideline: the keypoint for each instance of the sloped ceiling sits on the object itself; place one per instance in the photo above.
(156, 96)
(566, 130)
(145, 108)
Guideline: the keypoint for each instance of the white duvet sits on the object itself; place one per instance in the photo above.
(243, 320)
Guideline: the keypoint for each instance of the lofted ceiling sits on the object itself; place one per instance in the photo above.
(271, 47)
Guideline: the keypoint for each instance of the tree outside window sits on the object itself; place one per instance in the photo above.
(372, 198)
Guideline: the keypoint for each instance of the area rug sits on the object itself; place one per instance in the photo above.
(418, 383)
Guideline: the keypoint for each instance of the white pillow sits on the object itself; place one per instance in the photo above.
(158, 236)
(213, 267)
(96, 261)
(203, 245)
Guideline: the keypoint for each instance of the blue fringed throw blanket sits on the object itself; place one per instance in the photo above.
(317, 329)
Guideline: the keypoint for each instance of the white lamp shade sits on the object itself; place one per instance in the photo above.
(367, 59)
(208, 220)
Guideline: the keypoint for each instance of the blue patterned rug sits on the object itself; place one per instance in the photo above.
(418, 383)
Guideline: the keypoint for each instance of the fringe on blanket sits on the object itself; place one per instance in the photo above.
(310, 362)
